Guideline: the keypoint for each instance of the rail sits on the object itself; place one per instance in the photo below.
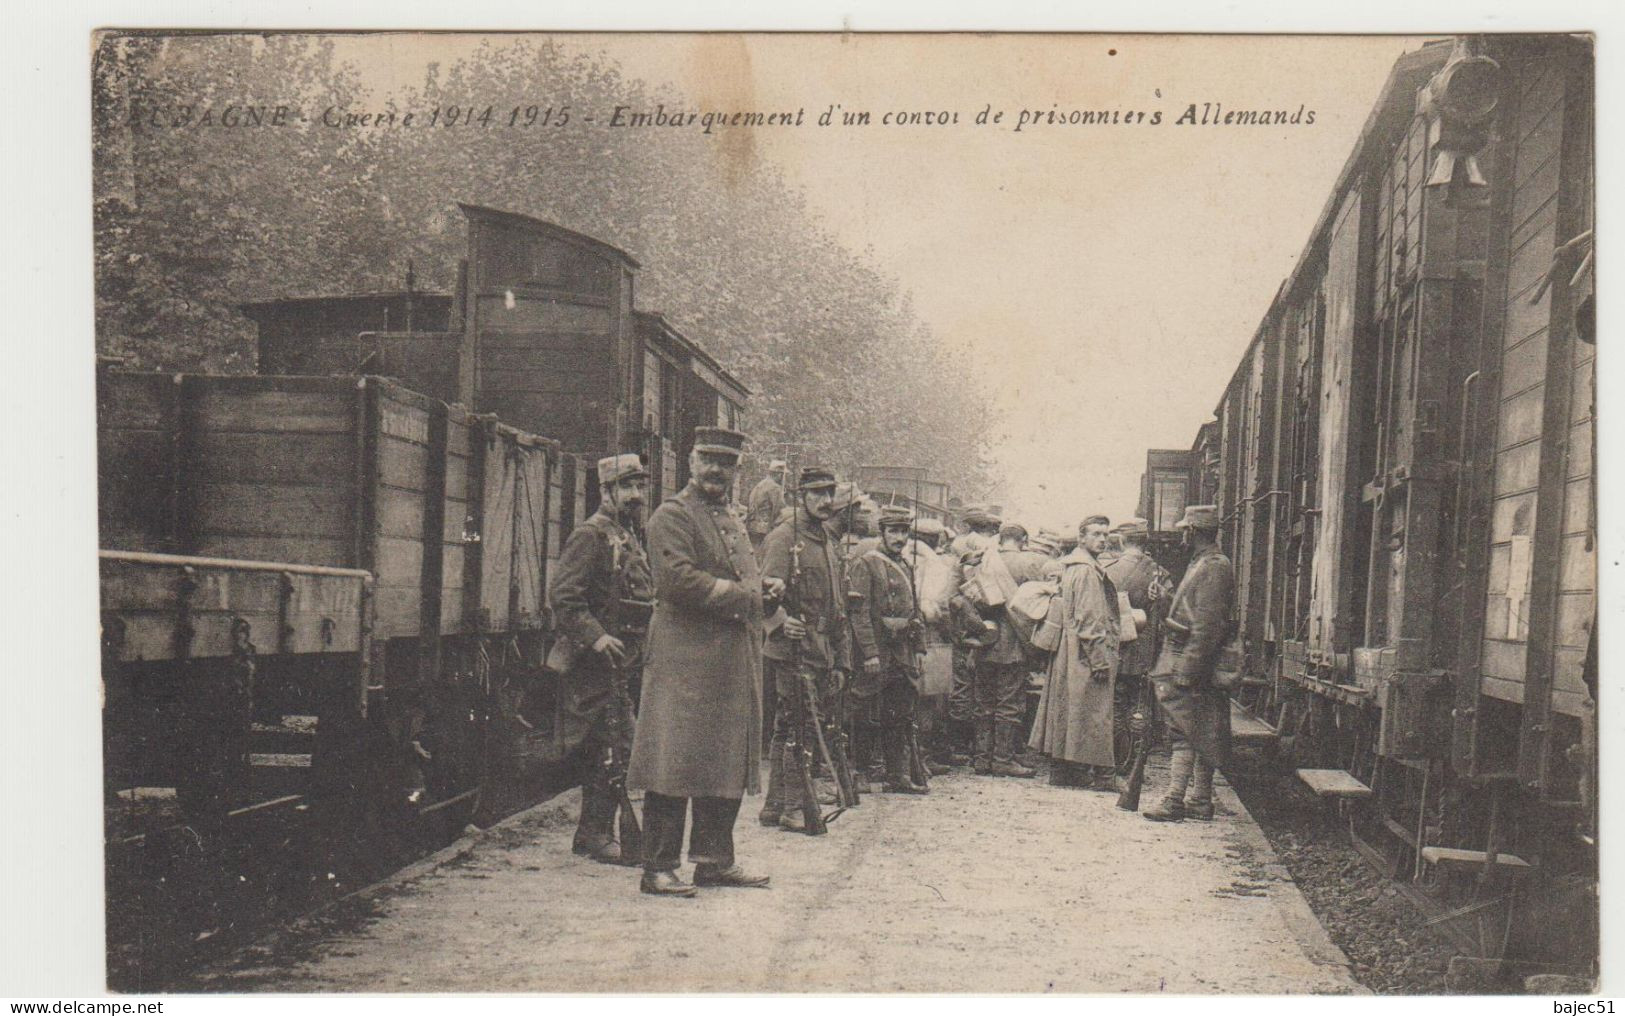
(182, 561)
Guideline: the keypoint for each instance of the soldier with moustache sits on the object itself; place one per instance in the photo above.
(890, 644)
(602, 595)
(697, 743)
(810, 641)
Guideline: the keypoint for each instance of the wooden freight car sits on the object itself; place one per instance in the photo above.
(454, 517)
(541, 331)
(1405, 468)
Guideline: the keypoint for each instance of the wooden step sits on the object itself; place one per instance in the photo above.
(1244, 726)
(1456, 855)
(1333, 783)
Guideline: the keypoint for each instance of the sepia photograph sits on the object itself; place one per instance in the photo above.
(814, 513)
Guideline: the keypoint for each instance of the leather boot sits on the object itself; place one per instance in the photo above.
(773, 804)
(982, 763)
(595, 829)
(665, 883)
(1166, 810)
(898, 779)
(1004, 752)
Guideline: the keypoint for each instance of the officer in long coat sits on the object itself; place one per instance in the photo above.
(601, 595)
(1074, 722)
(1147, 585)
(810, 643)
(890, 645)
(1198, 711)
(697, 735)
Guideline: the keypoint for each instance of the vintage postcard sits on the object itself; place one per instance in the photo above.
(787, 513)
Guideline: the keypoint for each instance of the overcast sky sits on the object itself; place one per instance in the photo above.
(1106, 278)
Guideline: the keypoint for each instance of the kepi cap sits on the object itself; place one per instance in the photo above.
(719, 441)
(816, 478)
(897, 517)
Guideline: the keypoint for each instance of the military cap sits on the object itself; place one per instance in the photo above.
(1200, 516)
(1013, 531)
(719, 441)
(1133, 527)
(613, 468)
(895, 517)
(816, 478)
(980, 515)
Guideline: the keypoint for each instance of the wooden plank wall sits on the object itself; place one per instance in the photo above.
(1537, 131)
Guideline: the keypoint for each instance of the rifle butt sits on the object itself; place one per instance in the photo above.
(1129, 799)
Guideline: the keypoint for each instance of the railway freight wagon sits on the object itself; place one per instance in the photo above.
(540, 330)
(1403, 465)
(316, 584)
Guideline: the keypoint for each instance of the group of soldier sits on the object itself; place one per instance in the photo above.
(687, 644)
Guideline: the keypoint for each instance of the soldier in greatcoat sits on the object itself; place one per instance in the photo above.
(810, 643)
(1074, 722)
(697, 734)
(1197, 709)
(1147, 585)
(890, 645)
(602, 593)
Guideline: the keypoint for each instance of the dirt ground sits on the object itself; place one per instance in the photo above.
(986, 885)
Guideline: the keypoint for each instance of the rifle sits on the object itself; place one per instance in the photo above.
(631, 834)
(845, 791)
(1129, 798)
(795, 745)
(917, 770)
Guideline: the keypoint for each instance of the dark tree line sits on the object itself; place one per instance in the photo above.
(190, 222)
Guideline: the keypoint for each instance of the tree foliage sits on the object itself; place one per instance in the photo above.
(191, 222)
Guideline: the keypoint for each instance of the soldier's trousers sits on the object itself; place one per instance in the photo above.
(890, 711)
(710, 842)
(587, 725)
(1001, 692)
(962, 692)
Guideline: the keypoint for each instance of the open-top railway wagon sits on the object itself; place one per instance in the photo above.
(316, 584)
(1403, 460)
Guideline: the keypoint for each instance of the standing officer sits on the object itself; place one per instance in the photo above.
(602, 595)
(697, 735)
(765, 502)
(800, 553)
(1198, 711)
(890, 645)
(1148, 586)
